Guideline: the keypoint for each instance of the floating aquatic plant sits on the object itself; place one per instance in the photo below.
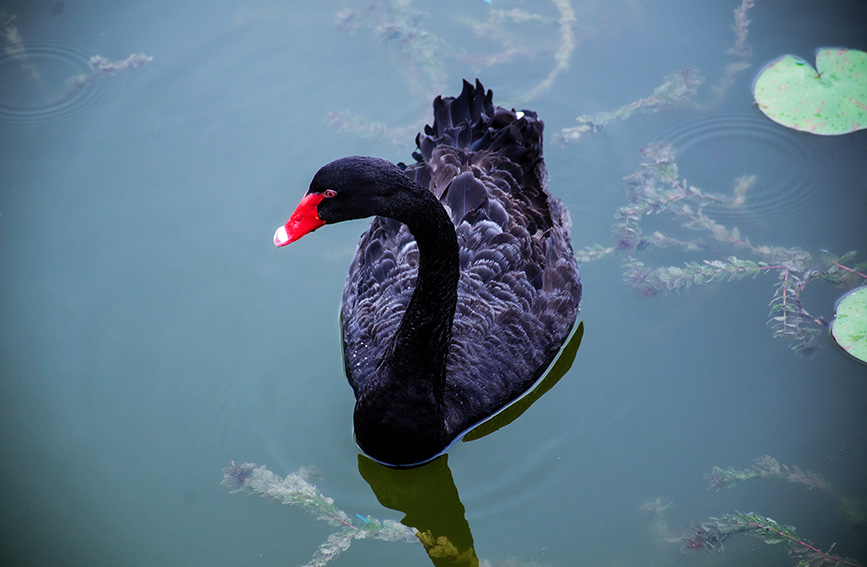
(658, 189)
(849, 327)
(828, 100)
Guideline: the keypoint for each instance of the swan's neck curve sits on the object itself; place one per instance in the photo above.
(400, 410)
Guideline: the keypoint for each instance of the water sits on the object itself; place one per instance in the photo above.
(151, 333)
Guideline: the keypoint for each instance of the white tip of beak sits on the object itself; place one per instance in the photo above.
(281, 238)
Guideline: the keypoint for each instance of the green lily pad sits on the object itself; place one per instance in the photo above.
(849, 327)
(830, 101)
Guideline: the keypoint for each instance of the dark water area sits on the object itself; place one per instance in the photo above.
(151, 334)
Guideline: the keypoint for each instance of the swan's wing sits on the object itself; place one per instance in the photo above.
(519, 288)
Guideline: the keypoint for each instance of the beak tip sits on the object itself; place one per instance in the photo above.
(281, 237)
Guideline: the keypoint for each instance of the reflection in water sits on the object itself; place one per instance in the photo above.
(428, 497)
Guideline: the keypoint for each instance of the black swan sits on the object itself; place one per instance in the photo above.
(463, 288)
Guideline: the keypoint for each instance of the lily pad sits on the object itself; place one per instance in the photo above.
(829, 100)
(849, 327)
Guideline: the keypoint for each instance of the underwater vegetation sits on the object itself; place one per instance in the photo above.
(677, 88)
(100, 67)
(425, 56)
(768, 467)
(657, 188)
(15, 45)
(295, 489)
(765, 467)
(711, 534)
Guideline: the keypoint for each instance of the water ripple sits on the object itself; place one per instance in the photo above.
(713, 151)
(38, 83)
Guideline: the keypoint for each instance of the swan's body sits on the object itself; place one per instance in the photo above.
(464, 287)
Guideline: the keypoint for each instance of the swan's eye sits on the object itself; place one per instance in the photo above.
(329, 193)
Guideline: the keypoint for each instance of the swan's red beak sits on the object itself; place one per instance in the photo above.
(305, 219)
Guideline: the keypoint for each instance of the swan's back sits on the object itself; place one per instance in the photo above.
(519, 289)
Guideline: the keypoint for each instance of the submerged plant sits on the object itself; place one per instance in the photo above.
(426, 56)
(710, 535)
(400, 26)
(741, 27)
(766, 467)
(101, 67)
(296, 490)
(676, 88)
(741, 50)
(564, 50)
(345, 121)
(15, 45)
(657, 188)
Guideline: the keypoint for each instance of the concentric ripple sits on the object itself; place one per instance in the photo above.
(37, 83)
(713, 151)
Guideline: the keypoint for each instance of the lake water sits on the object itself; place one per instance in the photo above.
(151, 334)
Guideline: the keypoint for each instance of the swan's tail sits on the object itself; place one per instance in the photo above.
(471, 138)
(471, 122)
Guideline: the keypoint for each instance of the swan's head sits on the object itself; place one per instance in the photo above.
(348, 188)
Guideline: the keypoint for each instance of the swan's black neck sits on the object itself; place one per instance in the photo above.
(413, 369)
